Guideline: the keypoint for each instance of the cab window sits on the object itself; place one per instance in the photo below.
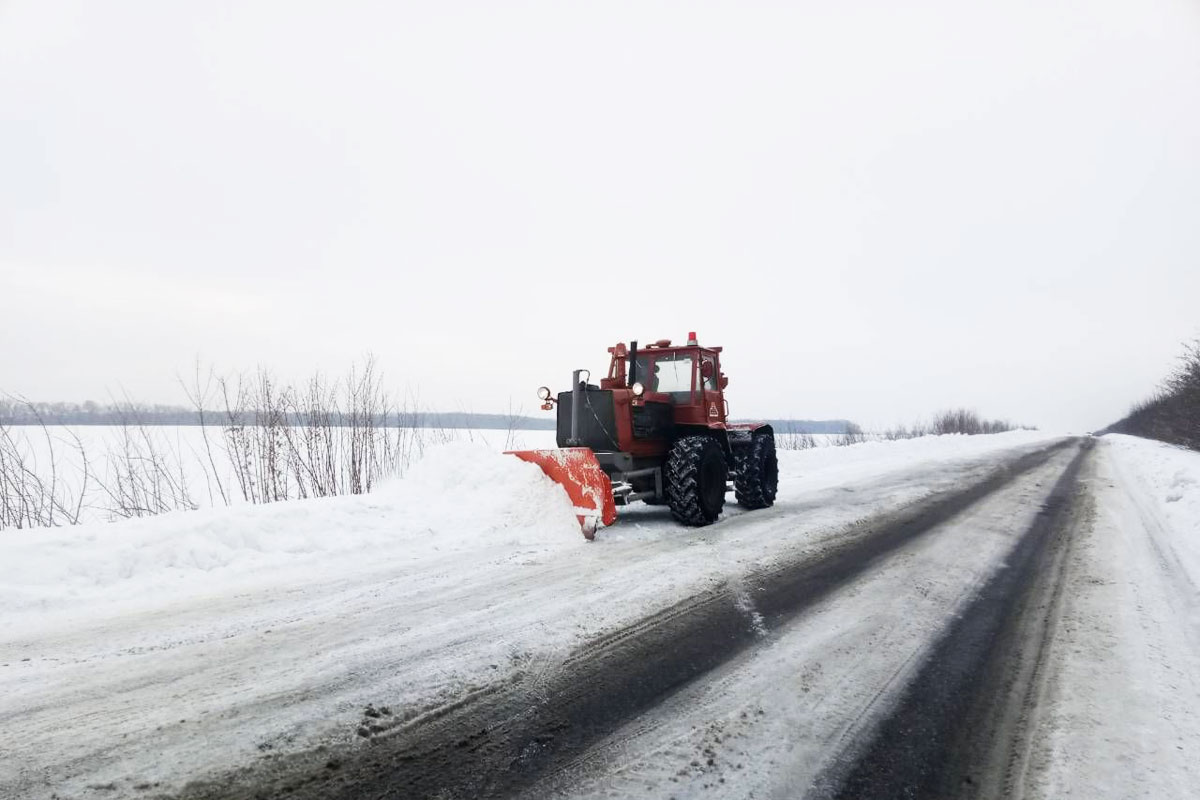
(709, 373)
(667, 373)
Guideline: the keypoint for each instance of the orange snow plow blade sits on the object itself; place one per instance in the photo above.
(577, 470)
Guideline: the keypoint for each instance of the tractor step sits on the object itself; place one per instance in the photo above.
(624, 494)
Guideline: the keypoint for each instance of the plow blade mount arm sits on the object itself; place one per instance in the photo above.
(577, 470)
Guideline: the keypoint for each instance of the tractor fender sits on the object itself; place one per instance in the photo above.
(716, 430)
(742, 434)
(752, 427)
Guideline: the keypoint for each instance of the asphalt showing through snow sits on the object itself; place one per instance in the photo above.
(957, 725)
(960, 728)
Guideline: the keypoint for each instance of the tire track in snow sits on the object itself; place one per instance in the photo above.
(962, 726)
(770, 719)
(1185, 594)
(496, 742)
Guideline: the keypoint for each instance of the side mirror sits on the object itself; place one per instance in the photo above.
(724, 382)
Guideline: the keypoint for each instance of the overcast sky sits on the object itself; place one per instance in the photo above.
(879, 209)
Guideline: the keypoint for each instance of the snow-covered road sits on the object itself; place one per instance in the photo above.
(785, 718)
(761, 655)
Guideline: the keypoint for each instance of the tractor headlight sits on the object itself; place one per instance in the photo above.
(637, 389)
(543, 392)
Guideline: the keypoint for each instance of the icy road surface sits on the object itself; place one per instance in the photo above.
(955, 616)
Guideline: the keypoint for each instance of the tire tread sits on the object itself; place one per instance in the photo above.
(682, 478)
(757, 479)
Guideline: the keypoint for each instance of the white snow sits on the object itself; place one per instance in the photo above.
(266, 629)
(765, 723)
(198, 460)
(1165, 481)
(1123, 713)
(457, 496)
(1119, 716)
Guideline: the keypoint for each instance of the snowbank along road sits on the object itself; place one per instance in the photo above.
(1008, 616)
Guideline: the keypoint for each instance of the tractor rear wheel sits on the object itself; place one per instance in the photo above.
(757, 478)
(696, 475)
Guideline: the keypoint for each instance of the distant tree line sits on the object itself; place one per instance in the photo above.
(23, 412)
(792, 435)
(1172, 414)
(261, 440)
(802, 426)
(20, 412)
(965, 421)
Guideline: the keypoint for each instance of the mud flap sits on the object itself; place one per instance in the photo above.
(577, 470)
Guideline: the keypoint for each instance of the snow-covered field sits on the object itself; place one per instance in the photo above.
(147, 653)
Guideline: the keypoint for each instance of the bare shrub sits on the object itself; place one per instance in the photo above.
(966, 421)
(512, 419)
(325, 438)
(262, 440)
(33, 495)
(144, 475)
(794, 438)
(851, 436)
(198, 394)
(796, 441)
(959, 420)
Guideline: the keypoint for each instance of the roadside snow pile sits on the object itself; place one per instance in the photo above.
(459, 497)
(1170, 477)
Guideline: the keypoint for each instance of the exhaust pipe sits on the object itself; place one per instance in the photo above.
(633, 362)
(576, 401)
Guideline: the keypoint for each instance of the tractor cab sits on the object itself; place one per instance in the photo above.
(687, 377)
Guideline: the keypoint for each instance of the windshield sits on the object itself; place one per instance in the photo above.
(668, 373)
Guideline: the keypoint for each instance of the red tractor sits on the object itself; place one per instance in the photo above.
(656, 430)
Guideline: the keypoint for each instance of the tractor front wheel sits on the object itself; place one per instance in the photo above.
(757, 477)
(696, 475)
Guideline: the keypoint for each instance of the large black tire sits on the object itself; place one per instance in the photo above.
(696, 474)
(757, 478)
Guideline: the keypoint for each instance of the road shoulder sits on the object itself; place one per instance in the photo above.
(1121, 717)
